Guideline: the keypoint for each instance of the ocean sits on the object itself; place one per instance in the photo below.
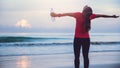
(20, 44)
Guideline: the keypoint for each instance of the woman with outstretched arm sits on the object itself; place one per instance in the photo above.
(83, 26)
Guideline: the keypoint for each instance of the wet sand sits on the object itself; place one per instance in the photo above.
(97, 60)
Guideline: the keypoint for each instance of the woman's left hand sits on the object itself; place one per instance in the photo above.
(53, 14)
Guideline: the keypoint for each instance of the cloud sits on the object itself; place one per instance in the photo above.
(23, 23)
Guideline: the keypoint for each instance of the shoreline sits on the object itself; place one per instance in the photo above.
(97, 60)
(91, 52)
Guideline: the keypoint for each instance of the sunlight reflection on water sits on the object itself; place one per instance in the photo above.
(23, 62)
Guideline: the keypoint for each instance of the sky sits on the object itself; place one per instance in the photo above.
(34, 15)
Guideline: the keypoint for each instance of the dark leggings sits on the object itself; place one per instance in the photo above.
(85, 43)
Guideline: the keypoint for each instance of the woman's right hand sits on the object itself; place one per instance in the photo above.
(114, 16)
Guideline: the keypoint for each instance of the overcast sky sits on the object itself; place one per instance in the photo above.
(33, 15)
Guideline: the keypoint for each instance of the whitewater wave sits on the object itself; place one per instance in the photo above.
(44, 41)
(53, 44)
(10, 39)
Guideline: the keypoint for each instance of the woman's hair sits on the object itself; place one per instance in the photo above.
(87, 12)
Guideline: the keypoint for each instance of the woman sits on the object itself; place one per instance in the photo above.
(83, 26)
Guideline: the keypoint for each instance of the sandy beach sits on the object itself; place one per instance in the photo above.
(97, 60)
